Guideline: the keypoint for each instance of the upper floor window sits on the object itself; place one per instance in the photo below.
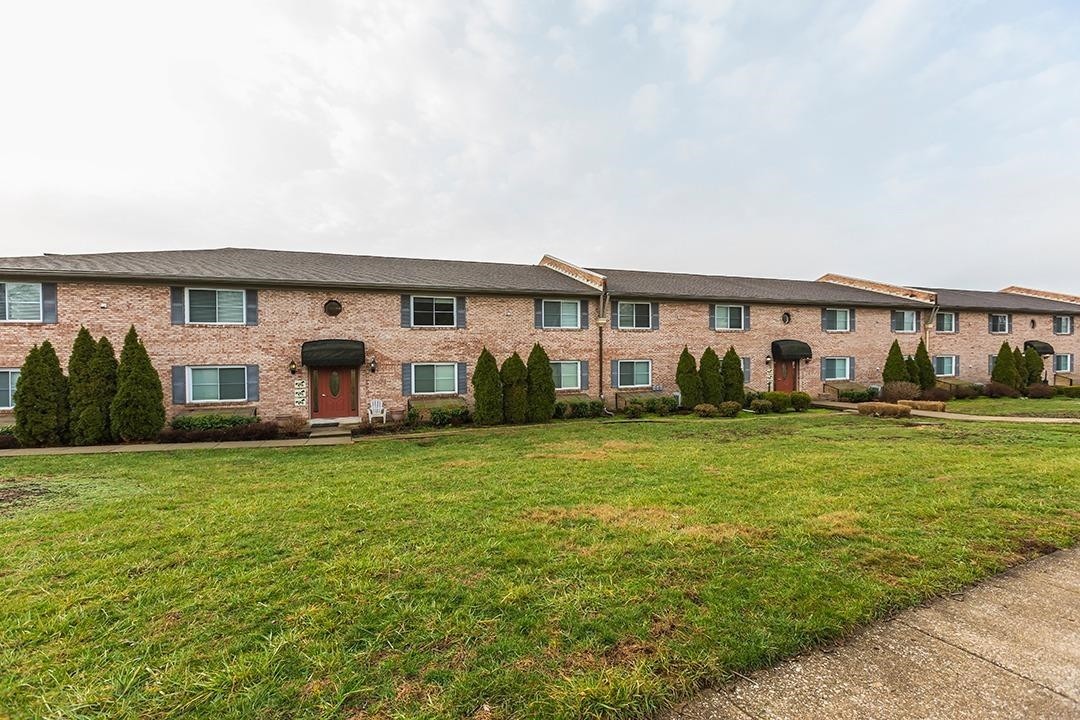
(217, 384)
(1063, 325)
(20, 302)
(905, 321)
(837, 320)
(8, 380)
(566, 374)
(999, 323)
(945, 322)
(836, 368)
(562, 314)
(434, 311)
(216, 307)
(945, 365)
(730, 317)
(635, 373)
(1063, 363)
(635, 315)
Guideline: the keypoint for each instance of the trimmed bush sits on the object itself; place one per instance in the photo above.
(1034, 363)
(927, 378)
(41, 399)
(211, 421)
(1040, 391)
(706, 410)
(761, 406)
(8, 441)
(857, 396)
(729, 409)
(452, 415)
(930, 405)
(800, 401)
(247, 431)
(734, 382)
(688, 380)
(882, 409)
(487, 390)
(712, 382)
(1000, 390)
(780, 401)
(138, 409)
(634, 410)
(514, 377)
(1005, 372)
(936, 394)
(1069, 391)
(567, 409)
(966, 391)
(891, 392)
(895, 369)
(540, 386)
(660, 405)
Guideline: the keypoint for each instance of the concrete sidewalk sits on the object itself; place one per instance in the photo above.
(1008, 648)
(852, 407)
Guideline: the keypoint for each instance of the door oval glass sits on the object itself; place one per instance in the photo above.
(335, 383)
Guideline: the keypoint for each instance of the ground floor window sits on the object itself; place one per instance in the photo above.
(434, 378)
(945, 365)
(216, 384)
(8, 380)
(566, 374)
(1062, 364)
(837, 368)
(635, 373)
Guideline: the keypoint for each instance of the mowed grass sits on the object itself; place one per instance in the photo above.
(1061, 407)
(581, 569)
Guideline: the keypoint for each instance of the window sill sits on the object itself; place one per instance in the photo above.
(566, 329)
(18, 323)
(734, 330)
(216, 403)
(216, 325)
(630, 329)
(434, 327)
(837, 332)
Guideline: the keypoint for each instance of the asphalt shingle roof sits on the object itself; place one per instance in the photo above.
(985, 300)
(660, 285)
(287, 268)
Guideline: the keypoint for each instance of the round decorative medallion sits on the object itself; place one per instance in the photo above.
(785, 318)
(332, 308)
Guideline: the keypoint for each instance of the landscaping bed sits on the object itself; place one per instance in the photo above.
(585, 569)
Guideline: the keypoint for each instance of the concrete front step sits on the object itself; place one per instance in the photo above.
(330, 432)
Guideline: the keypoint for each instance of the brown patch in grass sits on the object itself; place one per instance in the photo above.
(15, 494)
(722, 532)
(412, 691)
(839, 523)
(888, 566)
(168, 621)
(1034, 547)
(624, 446)
(648, 518)
(315, 686)
(464, 463)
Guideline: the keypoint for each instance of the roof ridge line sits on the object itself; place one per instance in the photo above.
(881, 288)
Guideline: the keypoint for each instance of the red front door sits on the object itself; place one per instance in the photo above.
(785, 375)
(333, 392)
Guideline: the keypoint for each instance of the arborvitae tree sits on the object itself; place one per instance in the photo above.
(514, 376)
(487, 390)
(1021, 369)
(733, 377)
(91, 425)
(541, 386)
(895, 369)
(1005, 367)
(138, 410)
(912, 369)
(688, 380)
(712, 379)
(1034, 363)
(927, 376)
(79, 391)
(41, 399)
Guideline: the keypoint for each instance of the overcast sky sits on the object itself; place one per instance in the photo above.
(917, 141)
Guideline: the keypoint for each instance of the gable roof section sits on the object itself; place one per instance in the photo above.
(1046, 294)
(238, 266)
(660, 285)
(951, 299)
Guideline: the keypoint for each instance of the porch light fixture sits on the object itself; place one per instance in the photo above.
(768, 359)
(373, 366)
(292, 368)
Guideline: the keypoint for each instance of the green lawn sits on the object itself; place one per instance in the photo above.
(581, 569)
(1022, 407)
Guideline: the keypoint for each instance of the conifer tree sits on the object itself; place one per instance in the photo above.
(895, 369)
(734, 382)
(541, 386)
(927, 376)
(79, 382)
(1021, 369)
(91, 426)
(138, 409)
(1005, 371)
(487, 390)
(1034, 363)
(514, 376)
(712, 379)
(688, 380)
(912, 369)
(41, 399)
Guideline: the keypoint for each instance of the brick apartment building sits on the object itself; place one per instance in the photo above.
(318, 335)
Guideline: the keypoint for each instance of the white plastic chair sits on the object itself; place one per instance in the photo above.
(376, 409)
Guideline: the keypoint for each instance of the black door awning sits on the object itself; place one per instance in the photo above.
(1043, 348)
(790, 350)
(332, 353)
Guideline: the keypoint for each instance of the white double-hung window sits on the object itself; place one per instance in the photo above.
(1063, 325)
(635, 373)
(217, 384)
(945, 365)
(945, 322)
(434, 311)
(434, 378)
(566, 374)
(635, 315)
(8, 380)
(1063, 363)
(730, 317)
(562, 314)
(208, 306)
(20, 302)
(836, 368)
(837, 319)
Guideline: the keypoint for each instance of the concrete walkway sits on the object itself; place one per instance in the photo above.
(852, 407)
(1009, 648)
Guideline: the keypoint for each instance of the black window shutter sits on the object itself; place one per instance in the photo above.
(824, 319)
(583, 368)
(654, 309)
(956, 322)
(251, 309)
(252, 382)
(822, 368)
(48, 303)
(851, 368)
(614, 314)
(459, 314)
(406, 311)
(746, 317)
(179, 384)
(990, 363)
(956, 366)
(851, 320)
(746, 371)
(614, 373)
(3, 302)
(406, 379)
(897, 320)
(176, 302)
(538, 313)
(583, 310)
(918, 320)
(462, 378)
(712, 316)
(1008, 323)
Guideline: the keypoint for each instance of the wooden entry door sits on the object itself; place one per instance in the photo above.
(785, 375)
(333, 392)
